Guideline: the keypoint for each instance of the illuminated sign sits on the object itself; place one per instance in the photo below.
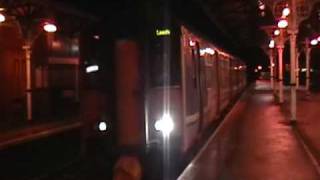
(163, 32)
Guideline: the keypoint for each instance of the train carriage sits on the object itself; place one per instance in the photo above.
(191, 82)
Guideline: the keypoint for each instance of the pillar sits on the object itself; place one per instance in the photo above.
(271, 69)
(308, 57)
(293, 56)
(27, 49)
(280, 66)
(297, 70)
(129, 104)
(293, 31)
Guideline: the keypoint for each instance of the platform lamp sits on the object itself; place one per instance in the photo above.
(22, 15)
(2, 17)
(298, 11)
(280, 39)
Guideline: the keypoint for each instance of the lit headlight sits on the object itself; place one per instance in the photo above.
(102, 126)
(165, 124)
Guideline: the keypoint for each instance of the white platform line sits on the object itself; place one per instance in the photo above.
(311, 156)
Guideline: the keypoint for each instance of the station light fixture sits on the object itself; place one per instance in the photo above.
(318, 38)
(271, 44)
(276, 32)
(97, 37)
(165, 124)
(202, 52)
(2, 18)
(262, 6)
(285, 12)
(50, 27)
(283, 23)
(92, 68)
(102, 126)
(192, 43)
(259, 67)
(210, 51)
(314, 42)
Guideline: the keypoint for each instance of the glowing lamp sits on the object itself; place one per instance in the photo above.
(283, 23)
(92, 68)
(276, 32)
(271, 44)
(210, 51)
(165, 124)
(102, 126)
(262, 7)
(49, 27)
(318, 39)
(192, 43)
(260, 67)
(285, 12)
(2, 18)
(202, 52)
(314, 42)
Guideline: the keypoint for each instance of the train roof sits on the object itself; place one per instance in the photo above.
(200, 35)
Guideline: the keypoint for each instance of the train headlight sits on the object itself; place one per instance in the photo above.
(165, 124)
(102, 126)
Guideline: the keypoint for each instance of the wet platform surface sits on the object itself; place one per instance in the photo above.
(253, 143)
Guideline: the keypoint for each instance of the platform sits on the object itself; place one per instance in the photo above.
(253, 143)
(31, 133)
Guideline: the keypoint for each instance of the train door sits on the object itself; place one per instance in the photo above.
(218, 84)
(195, 52)
(201, 82)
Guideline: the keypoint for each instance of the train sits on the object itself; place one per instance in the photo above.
(191, 90)
(173, 78)
(188, 83)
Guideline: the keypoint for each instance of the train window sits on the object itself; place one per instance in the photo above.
(164, 65)
(195, 67)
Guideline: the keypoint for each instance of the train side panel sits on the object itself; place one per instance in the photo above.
(211, 88)
(224, 80)
(191, 90)
(200, 86)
